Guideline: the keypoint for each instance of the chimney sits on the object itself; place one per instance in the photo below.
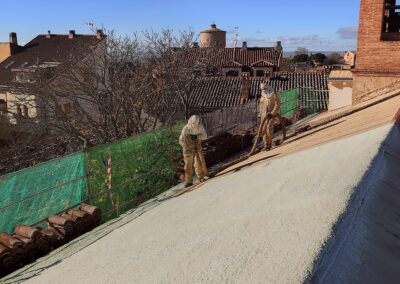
(13, 38)
(99, 34)
(213, 26)
(71, 34)
(244, 45)
(48, 34)
(195, 45)
(245, 89)
(278, 45)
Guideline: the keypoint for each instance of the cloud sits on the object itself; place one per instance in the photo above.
(348, 33)
(290, 41)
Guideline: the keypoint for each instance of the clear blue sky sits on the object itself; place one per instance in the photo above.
(315, 24)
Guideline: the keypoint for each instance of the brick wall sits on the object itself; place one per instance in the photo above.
(378, 58)
(373, 53)
(5, 50)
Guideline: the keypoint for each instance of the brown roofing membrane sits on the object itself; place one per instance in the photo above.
(364, 120)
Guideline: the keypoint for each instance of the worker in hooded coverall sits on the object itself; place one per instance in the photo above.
(190, 140)
(270, 106)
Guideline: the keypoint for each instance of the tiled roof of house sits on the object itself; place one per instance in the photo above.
(220, 57)
(220, 92)
(340, 74)
(262, 63)
(45, 49)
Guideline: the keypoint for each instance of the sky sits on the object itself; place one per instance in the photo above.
(318, 25)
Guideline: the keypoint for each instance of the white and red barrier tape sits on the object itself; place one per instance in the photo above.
(109, 177)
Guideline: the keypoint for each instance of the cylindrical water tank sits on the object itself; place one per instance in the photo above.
(213, 37)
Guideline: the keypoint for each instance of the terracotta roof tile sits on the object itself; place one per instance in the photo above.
(219, 57)
(43, 49)
(220, 92)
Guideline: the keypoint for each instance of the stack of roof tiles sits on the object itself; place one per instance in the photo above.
(29, 243)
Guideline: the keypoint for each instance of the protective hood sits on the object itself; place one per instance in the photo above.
(195, 126)
(266, 90)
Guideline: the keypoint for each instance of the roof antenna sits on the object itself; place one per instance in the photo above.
(90, 25)
(236, 37)
(235, 42)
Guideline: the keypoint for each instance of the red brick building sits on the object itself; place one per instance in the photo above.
(378, 53)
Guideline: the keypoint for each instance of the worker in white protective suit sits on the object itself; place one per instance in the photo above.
(270, 106)
(190, 140)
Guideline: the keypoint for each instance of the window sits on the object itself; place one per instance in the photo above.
(22, 76)
(259, 73)
(62, 110)
(211, 71)
(3, 105)
(58, 111)
(232, 73)
(88, 77)
(19, 110)
(26, 113)
(67, 108)
(391, 22)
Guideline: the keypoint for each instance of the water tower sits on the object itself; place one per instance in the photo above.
(213, 37)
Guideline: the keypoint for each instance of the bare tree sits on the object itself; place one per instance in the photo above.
(102, 97)
(179, 66)
(301, 50)
(333, 58)
(123, 86)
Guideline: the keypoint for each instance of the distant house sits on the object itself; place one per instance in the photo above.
(9, 48)
(232, 61)
(45, 52)
(237, 72)
(340, 89)
(350, 58)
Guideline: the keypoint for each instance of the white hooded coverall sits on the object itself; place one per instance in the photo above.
(190, 140)
(269, 104)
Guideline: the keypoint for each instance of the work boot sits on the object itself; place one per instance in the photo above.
(267, 147)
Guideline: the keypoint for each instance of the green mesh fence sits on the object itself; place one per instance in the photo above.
(30, 195)
(308, 100)
(301, 98)
(142, 167)
(289, 102)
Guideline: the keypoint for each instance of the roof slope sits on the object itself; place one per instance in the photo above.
(265, 222)
(42, 48)
(371, 222)
(220, 92)
(220, 56)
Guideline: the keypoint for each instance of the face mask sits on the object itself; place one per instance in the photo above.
(266, 90)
